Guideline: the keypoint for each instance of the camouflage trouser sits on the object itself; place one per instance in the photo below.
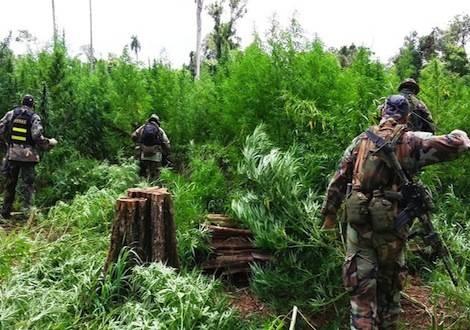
(150, 169)
(12, 171)
(373, 273)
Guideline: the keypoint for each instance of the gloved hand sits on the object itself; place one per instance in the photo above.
(52, 142)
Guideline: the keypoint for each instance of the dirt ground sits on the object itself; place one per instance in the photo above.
(418, 309)
(243, 300)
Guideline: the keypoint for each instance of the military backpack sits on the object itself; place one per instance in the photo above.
(151, 135)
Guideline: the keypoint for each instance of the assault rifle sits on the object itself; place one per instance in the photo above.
(418, 203)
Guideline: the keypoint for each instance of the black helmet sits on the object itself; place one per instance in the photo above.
(154, 117)
(396, 107)
(28, 101)
(410, 84)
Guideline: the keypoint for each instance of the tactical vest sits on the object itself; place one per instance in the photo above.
(373, 179)
(20, 127)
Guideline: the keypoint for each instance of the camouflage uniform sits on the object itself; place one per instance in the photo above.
(21, 158)
(420, 118)
(374, 268)
(151, 162)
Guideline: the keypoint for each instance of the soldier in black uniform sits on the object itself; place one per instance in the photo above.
(22, 132)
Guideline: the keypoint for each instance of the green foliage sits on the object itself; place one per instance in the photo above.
(311, 103)
(55, 281)
(202, 189)
(277, 205)
(451, 220)
(14, 248)
(7, 83)
(409, 62)
(64, 172)
(447, 96)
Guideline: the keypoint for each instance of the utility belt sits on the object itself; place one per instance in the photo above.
(377, 208)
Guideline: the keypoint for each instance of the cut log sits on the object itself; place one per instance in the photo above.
(228, 261)
(144, 222)
(220, 220)
(126, 228)
(218, 217)
(232, 242)
(233, 252)
(236, 270)
(170, 233)
(262, 256)
(226, 231)
(233, 249)
(157, 227)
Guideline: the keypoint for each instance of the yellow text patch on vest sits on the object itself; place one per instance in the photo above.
(20, 121)
(19, 130)
(18, 138)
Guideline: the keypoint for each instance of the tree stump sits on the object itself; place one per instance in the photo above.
(144, 222)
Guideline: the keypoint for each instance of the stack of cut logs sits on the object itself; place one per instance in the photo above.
(233, 249)
(144, 222)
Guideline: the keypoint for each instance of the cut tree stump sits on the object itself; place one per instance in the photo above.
(144, 223)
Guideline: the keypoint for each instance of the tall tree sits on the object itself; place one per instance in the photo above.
(346, 54)
(431, 45)
(459, 30)
(409, 61)
(224, 38)
(54, 25)
(135, 46)
(92, 54)
(199, 4)
(7, 81)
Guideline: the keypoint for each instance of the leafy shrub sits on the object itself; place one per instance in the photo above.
(278, 206)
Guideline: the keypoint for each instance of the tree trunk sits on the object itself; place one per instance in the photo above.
(198, 38)
(127, 230)
(92, 53)
(144, 223)
(54, 25)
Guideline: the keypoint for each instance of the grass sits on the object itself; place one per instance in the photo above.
(51, 274)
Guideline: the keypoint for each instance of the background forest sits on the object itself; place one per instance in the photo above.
(256, 136)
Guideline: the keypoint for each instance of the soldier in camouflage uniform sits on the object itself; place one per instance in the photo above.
(153, 147)
(374, 268)
(21, 130)
(420, 118)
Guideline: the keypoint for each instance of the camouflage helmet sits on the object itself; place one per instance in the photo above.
(410, 84)
(28, 101)
(155, 118)
(396, 107)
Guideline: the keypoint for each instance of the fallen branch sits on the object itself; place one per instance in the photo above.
(419, 304)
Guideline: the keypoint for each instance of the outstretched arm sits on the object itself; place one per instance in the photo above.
(37, 134)
(436, 149)
(137, 133)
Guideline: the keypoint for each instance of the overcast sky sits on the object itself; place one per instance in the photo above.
(169, 26)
